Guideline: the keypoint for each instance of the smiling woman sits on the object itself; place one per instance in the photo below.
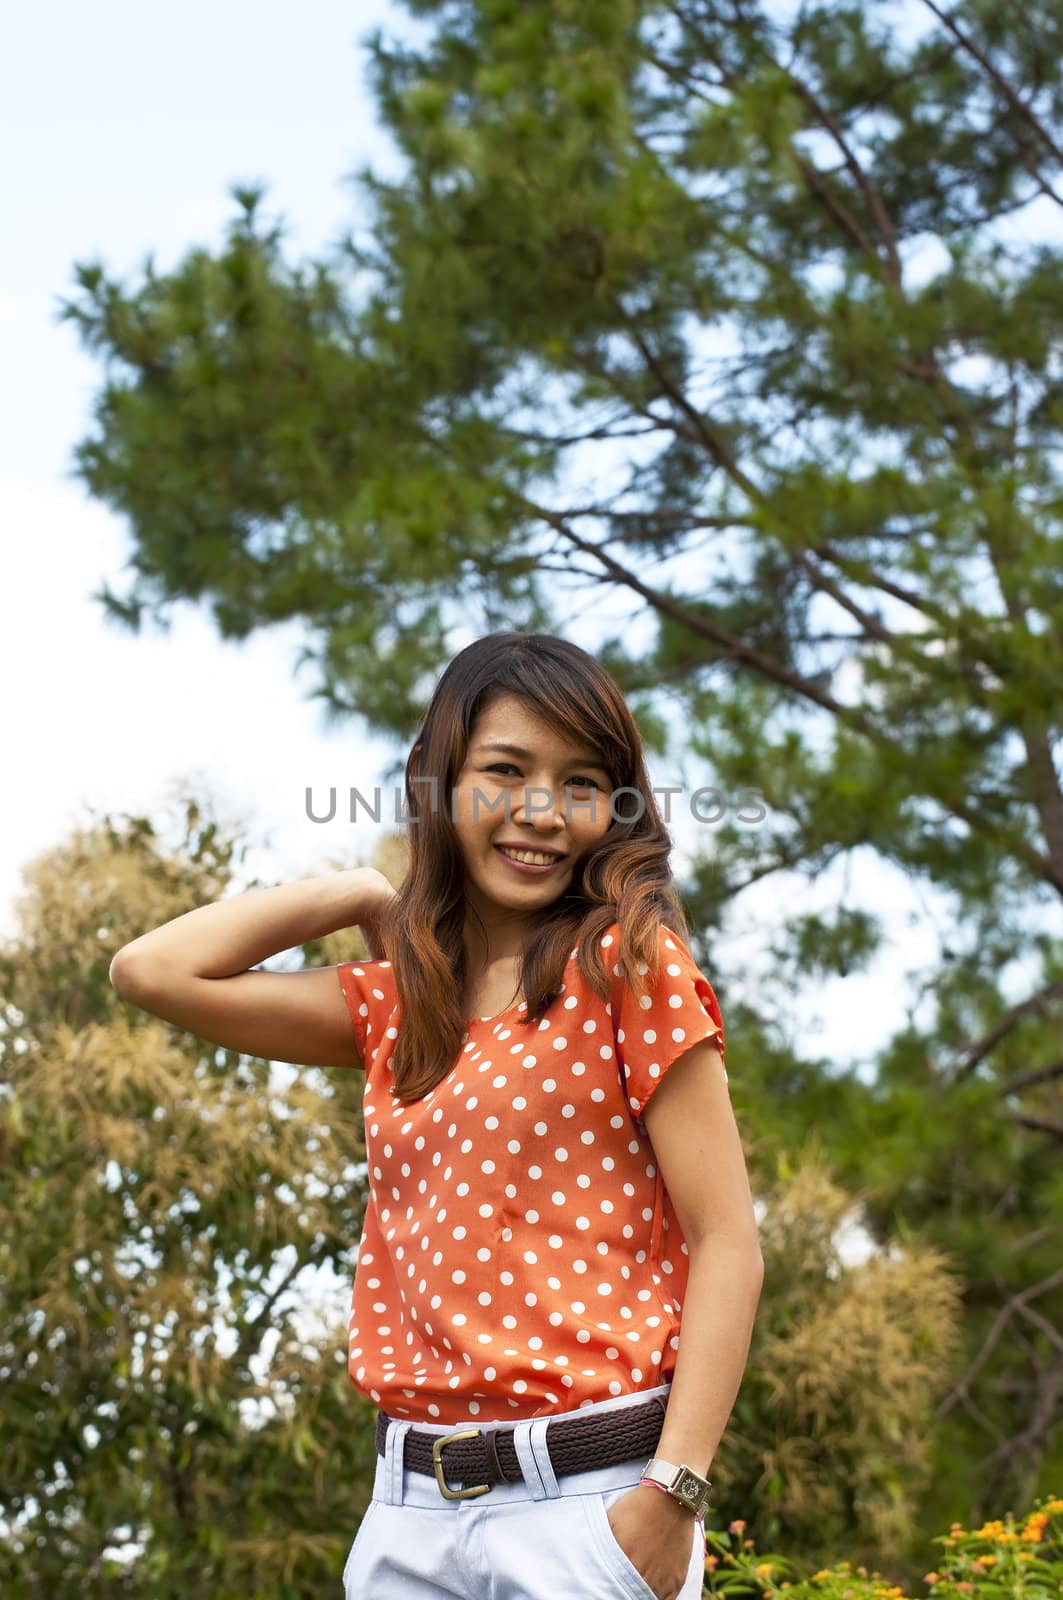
(530, 1261)
(538, 755)
(557, 1194)
(535, 853)
(526, 824)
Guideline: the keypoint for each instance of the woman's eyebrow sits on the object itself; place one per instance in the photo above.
(528, 755)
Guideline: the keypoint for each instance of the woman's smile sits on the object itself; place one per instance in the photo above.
(532, 863)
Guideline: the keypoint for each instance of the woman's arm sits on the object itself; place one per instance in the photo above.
(194, 973)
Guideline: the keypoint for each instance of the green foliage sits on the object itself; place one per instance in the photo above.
(175, 1421)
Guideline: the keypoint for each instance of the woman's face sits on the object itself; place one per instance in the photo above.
(545, 795)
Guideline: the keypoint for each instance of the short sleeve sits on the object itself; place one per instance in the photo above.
(359, 990)
(680, 1010)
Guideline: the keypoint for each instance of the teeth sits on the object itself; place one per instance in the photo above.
(532, 857)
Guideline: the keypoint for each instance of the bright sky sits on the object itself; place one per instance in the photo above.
(125, 130)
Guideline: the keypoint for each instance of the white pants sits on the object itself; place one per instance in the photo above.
(543, 1538)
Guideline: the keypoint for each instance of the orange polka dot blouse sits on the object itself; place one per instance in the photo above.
(520, 1255)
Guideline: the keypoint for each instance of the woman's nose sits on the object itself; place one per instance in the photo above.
(538, 804)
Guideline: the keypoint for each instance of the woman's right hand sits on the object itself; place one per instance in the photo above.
(372, 908)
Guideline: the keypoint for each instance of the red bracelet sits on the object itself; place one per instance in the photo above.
(655, 1485)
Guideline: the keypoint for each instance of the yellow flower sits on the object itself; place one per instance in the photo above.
(763, 1569)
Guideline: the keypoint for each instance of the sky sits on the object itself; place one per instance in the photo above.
(126, 131)
(132, 126)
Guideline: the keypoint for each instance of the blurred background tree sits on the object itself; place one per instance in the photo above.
(751, 318)
(174, 1378)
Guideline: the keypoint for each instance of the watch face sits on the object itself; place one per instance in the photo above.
(689, 1485)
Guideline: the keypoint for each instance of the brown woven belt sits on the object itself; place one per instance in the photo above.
(574, 1444)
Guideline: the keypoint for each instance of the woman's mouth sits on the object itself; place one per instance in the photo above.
(532, 863)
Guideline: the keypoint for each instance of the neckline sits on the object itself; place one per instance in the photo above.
(512, 1011)
(496, 1017)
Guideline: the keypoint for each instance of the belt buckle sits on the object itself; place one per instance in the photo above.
(437, 1463)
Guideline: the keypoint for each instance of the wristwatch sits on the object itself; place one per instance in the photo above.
(682, 1483)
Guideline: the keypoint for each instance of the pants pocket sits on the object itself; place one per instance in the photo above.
(633, 1584)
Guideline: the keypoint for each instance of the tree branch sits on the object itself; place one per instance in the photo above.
(961, 1389)
(1017, 104)
(731, 646)
(250, 1333)
(875, 203)
(1026, 1008)
(1029, 1080)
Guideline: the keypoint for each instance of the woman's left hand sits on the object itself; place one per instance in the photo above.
(656, 1534)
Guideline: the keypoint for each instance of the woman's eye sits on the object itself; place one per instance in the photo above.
(580, 781)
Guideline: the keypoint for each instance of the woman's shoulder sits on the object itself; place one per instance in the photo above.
(671, 957)
(667, 940)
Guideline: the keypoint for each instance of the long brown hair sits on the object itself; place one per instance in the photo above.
(624, 878)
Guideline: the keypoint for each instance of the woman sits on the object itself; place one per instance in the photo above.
(556, 1181)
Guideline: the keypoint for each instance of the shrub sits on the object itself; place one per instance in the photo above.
(1004, 1557)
